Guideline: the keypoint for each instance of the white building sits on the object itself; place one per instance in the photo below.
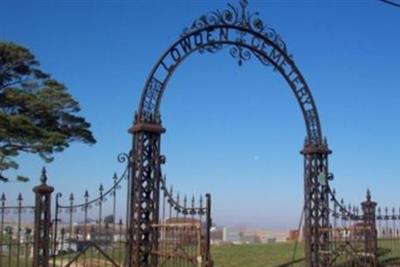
(231, 235)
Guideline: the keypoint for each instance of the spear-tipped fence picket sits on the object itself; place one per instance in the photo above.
(90, 230)
(184, 229)
(16, 232)
(351, 234)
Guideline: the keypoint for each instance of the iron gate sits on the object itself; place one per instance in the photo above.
(183, 230)
(90, 232)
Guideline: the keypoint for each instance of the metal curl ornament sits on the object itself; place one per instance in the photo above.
(238, 16)
(123, 157)
(240, 53)
(58, 196)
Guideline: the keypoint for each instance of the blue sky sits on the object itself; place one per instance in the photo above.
(232, 131)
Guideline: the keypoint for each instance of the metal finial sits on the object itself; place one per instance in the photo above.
(43, 177)
(244, 3)
(185, 201)
(71, 197)
(19, 197)
(86, 194)
(163, 159)
(3, 197)
(368, 195)
(243, 23)
(115, 177)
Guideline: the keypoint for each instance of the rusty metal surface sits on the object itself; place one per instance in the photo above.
(353, 239)
(163, 228)
(42, 219)
(88, 231)
(183, 229)
(354, 235)
(16, 235)
(245, 36)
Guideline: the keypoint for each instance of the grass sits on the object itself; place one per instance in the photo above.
(260, 255)
(255, 255)
(280, 254)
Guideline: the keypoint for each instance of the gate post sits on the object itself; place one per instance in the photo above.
(143, 202)
(42, 223)
(370, 233)
(208, 259)
(316, 203)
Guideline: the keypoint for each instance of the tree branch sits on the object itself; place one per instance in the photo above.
(12, 83)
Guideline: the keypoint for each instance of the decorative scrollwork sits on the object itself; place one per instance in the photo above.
(123, 157)
(240, 53)
(241, 17)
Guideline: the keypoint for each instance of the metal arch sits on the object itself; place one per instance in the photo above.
(270, 51)
(391, 2)
(246, 36)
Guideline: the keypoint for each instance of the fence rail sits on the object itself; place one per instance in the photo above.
(92, 231)
(16, 233)
(183, 231)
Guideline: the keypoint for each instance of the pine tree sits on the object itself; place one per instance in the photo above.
(37, 114)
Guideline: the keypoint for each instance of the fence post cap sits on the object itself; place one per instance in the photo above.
(43, 188)
(368, 195)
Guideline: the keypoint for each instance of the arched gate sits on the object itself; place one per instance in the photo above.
(245, 36)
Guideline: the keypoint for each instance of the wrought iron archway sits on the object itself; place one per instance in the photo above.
(246, 36)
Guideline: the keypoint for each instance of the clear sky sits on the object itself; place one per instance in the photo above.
(232, 131)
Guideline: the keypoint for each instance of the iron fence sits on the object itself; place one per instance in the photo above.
(16, 232)
(388, 233)
(92, 231)
(183, 230)
(351, 234)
